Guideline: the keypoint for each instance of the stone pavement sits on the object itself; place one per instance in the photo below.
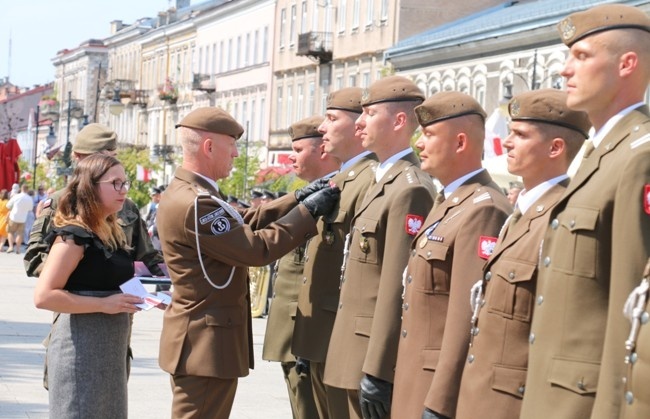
(262, 394)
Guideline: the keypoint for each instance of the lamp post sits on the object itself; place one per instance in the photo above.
(50, 140)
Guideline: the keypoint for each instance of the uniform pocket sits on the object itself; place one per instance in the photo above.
(509, 380)
(511, 289)
(429, 359)
(577, 376)
(577, 234)
(432, 277)
(364, 244)
(362, 326)
(225, 317)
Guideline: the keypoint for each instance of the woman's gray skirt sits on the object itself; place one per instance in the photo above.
(86, 360)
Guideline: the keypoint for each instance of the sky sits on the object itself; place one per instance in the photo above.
(38, 29)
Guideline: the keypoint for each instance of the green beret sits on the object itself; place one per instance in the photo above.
(212, 119)
(391, 89)
(601, 18)
(306, 128)
(447, 105)
(347, 99)
(94, 138)
(549, 106)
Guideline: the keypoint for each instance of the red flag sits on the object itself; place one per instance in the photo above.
(143, 174)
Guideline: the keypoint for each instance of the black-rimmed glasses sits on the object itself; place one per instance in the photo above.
(118, 185)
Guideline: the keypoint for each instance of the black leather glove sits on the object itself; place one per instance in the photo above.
(374, 397)
(302, 366)
(315, 186)
(430, 414)
(322, 202)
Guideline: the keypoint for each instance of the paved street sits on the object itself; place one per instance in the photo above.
(23, 327)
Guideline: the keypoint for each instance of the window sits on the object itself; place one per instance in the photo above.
(370, 13)
(301, 102)
(283, 24)
(365, 79)
(265, 45)
(244, 117)
(356, 9)
(292, 31)
(260, 127)
(200, 63)
(252, 126)
(247, 49)
(314, 16)
(256, 46)
(221, 46)
(311, 98)
(303, 19)
(289, 119)
(238, 52)
(384, 10)
(230, 52)
(278, 109)
(342, 15)
(339, 82)
(352, 80)
(213, 66)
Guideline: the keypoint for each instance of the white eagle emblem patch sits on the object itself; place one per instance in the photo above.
(413, 224)
(486, 246)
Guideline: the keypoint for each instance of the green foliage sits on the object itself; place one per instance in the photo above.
(132, 157)
(242, 177)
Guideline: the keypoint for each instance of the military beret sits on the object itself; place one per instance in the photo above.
(447, 105)
(94, 138)
(347, 99)
(243, 204)
(212, 119)
(266, 194)
(391, 89)
(256, 193)
(601, 18)
(549, 106)
(306, 128)
(232, 199)
(154, 191)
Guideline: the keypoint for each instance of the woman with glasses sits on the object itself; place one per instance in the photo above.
(88, 260)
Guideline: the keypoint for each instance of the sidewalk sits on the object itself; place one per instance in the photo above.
(23, 327)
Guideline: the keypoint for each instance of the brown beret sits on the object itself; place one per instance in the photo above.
(549, 106)
(347, 99)
(447, 105)
(212, 119)
(306, 128)
(391, 89)
(94, 138)
(601, 18)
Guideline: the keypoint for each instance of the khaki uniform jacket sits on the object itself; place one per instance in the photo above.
(207, 331)
(366, 329)
(494, 377)
(132, 224)
(320, 286)
(444, 263)
(637, 398)
(287, 279)
(598, 233)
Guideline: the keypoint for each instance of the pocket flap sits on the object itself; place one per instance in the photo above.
(514, 270)
(365, 225)
(509, 380)
(362, 326)
(224, 317)
(430, 359)
(577, 376)
(574, 219)
(434, 250)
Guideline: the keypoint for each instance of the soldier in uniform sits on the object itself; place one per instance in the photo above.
(206, 339)
(93, 138)
(310, 163)
(544, 138)
(446, 257)
(319, 292)
(363, 347)
(600, 228)
(637, 345)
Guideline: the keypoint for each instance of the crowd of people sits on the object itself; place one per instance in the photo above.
(391, 298)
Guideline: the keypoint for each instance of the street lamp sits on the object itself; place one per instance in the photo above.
(115, 107)
(50, 140)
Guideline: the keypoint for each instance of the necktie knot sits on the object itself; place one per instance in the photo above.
(440, 198)
(589, 148)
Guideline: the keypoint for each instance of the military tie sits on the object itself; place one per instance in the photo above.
(440, 198)
(514, 217)
(589, 148)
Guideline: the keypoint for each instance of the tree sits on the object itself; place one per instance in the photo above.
(242, 177)
(130, 158)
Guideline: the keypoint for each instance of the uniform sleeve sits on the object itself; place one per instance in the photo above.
(466, 269)
(36, 252)
(223, 239)
(384, 335)
(141, 243)
(630, 249)
(265, 214)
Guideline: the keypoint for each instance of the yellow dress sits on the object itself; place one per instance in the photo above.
(4, 217)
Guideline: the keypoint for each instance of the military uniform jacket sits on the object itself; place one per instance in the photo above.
(207, 331)
(494, 377)
(446, 259)
(280, 323)
(134, 228)
(598, 233)
(319, 288)
(366, 329)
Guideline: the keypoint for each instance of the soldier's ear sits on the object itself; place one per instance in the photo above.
(557, 147)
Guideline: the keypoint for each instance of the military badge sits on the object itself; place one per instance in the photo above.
(365, 95)
(328, 238)
(567, 28)
(423, 114)
(208, 218)
(486, 246)
(220, 225)
(364, 245)
(515, 107)
(413, 223)
(646, 199)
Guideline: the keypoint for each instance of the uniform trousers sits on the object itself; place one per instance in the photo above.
(301, 396)
(202, 397)
(331, 402)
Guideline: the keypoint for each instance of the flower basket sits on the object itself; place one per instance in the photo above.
(168, 92)
(48, 106)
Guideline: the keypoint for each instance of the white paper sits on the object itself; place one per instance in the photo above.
(134, 287)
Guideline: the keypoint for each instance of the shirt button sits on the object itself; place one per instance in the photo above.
(404, 333)
(633, 357)
(511, 275)
(555, 224)
(645, 317)
(413, 253)
(572, 223)
(547, 261)
(340, 306)
(531, 338)
(409, 279)
(540, 300)
(488, 275)
(428, 254)
(470, 358)
(581, 385)
(304, 279)
(475, 331)
(521, 389)
(405, 306)
(629, 397)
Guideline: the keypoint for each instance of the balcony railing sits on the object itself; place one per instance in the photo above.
(317, 45)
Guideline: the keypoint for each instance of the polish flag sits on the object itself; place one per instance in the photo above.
(143, 174)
